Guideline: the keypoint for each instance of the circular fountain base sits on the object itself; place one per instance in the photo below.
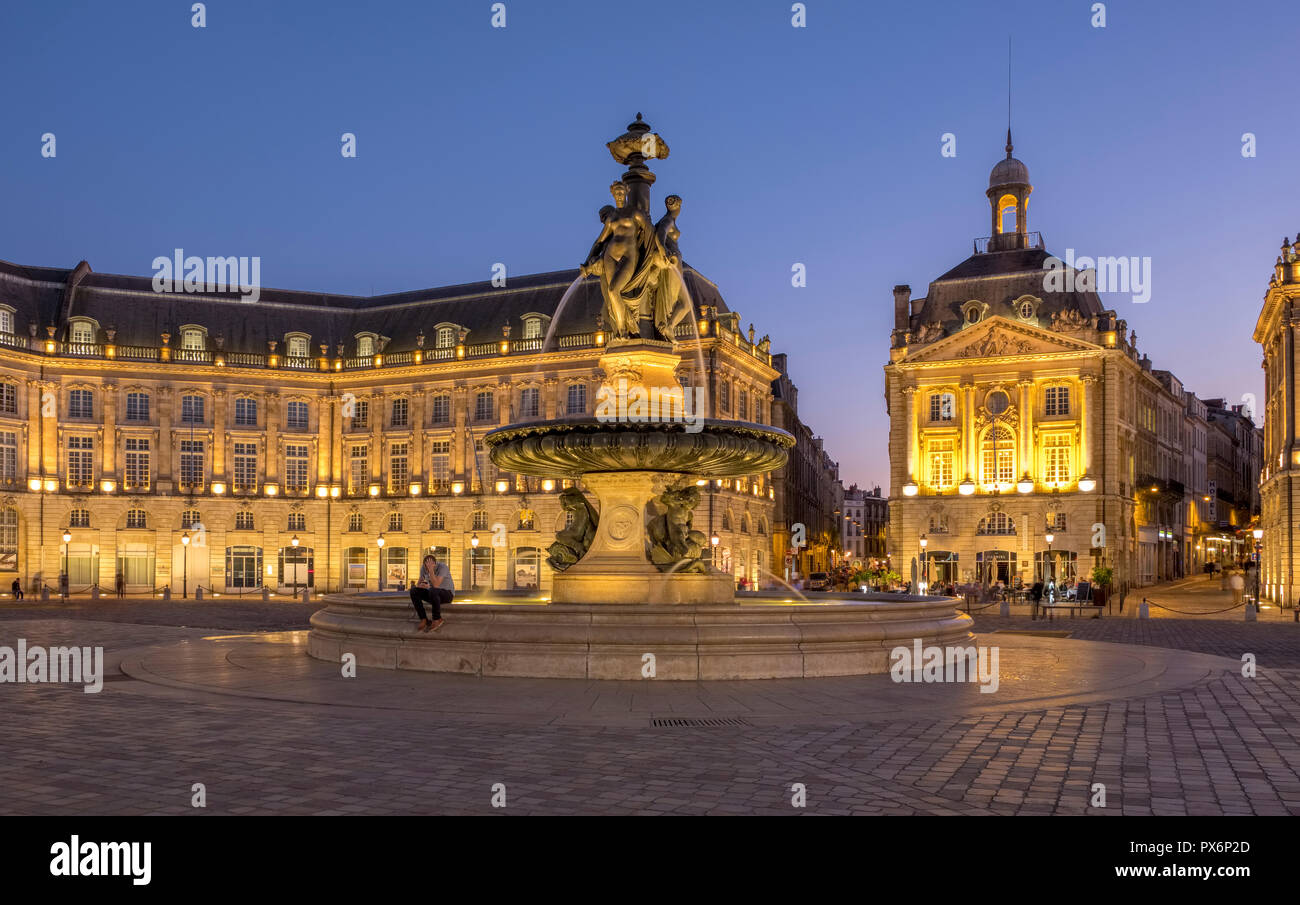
(753, 638)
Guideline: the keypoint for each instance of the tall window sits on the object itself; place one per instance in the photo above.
(941, 458)
(365, 346)
(399, 472)
(998, 457)
(1056, 458)
(81, 461)
(191, 410)
(394, 521)
(9, 540)
(79, 518)
(245, 466)
(295, 467)
(577, 398)
(440, 471)
(8, 456)
(480, 520)
(401, 408)
(483, 406)
(191, 464)
(360, 414)
(742, 406)
(8, 399)
(81, 404)
(136, 473)
(529, 402)
(244, 520)
(6, 321)
(358, 468)
(943, 406)
(190, 519)
(136, 518)
(295, 416)
(1057, 400)
(297, 521)
(137, 406)
(245, 412)
(356, 522)
(441, 408)
(446, 337)
(724, 396)
(437, 521)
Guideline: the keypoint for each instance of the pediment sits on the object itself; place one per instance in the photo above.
(998, 337)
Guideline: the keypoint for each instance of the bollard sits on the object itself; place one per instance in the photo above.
(167, 594)
(1144, 611)
(1005, 608)
(198, 593)
(306, 595)
(45, 593)
(1252, 614)
(266, 594)
(94, 592)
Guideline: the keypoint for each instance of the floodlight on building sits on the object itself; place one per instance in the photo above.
(51, 485)
(34, 484)
(548, 485)
(1087, 483)
(503, 485)
(1025, 484)
(272, 489)
(107, 486)
(415, 488)
(909, 489)
(966, 487)
(335, 492)
(218, 488)
(374, 490)
(322, 491)
(457, 487)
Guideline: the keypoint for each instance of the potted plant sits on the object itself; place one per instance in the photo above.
(1102, 576)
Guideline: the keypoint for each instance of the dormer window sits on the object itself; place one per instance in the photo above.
(973, 311)
(532, 328)
(365, 345)
(6, 319)
(296, 345)
(194, 339)
(81, 331)
(446, 337)
(1026, 307)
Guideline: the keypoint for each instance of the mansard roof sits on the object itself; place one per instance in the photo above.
(52, 296)
(998, 279)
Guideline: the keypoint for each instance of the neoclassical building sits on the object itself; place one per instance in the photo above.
(1277, 331)
(184, 439)
(1020, 408)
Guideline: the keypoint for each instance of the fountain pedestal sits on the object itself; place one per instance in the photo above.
(615, 569)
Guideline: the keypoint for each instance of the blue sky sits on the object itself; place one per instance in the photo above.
(818, 145)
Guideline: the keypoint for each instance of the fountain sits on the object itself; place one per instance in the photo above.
(635, 594)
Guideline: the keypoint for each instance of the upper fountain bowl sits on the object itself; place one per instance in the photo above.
(571, 447)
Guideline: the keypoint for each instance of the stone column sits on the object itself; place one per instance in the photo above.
(108, 450)
(167, 449)
(968, 445)
(34, 420)
(271, 470)
(218, 435)
(459, 415)
(1026, 455)
(1085, 428)
(418, 422)
(913, 454)
(376, 437)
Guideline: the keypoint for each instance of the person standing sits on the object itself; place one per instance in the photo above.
(436, 588)
(1238, 587)
(17, 588)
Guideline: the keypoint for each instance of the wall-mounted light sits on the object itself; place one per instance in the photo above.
(502, 486)
(322, 491)
(272, 489)
(966, 487)
(374, 490)
(107, 486)
(51, 485)
(457, 487)
(415, 488)
(548, 485)
(909, 489)
(1025, 484)
(34, 484)
(218, 488)
(336, 491)
(1087, 484)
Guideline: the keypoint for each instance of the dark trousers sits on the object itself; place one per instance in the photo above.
(18, 593)
(436, 597)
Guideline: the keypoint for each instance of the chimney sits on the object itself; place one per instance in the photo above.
(902, 319)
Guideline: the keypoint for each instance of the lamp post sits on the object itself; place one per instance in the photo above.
(379, 542)
(714, 540)
(185, 565)
(294, 541)
(925, 566)
(1259, 561)
(1051, 562)
(66, 577)
(473, 565)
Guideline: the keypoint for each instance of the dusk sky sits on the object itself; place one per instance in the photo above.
(817, 145)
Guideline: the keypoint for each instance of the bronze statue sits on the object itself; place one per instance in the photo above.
(674, 546)
(572, 542)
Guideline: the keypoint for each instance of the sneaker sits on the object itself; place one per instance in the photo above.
(435, 625)
(423, 626)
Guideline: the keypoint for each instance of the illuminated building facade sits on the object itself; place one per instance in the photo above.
(866, 517)
(1019, 408)
(188, 439)
(1277, 331)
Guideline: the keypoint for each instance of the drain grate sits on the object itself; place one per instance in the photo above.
(700, 723)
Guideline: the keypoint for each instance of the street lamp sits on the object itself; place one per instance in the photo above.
(1051, 563)
(379, 542)
(1259, 561)
(294, 541)
(185, 565)
(925, 565)
(67, 578)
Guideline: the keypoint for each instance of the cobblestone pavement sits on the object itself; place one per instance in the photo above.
(234, 614)
(1166, 732)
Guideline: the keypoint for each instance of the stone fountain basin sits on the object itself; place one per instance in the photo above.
(571, 447)
(756, 637)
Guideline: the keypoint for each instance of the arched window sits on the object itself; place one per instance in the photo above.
(437, 521)
(394, 521)
(745, 524)
(365, 345)
(296, 345)
(136, 518)
(532, 328)
(446, 337)
(297, 521)
(244, 521)
(79, 518)
(356, 522)
(189, 519)
(726, 521)
(998, 456)
(938, 524)
(527, 520)
(82, 331)
(997, 523)
(480, 520)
